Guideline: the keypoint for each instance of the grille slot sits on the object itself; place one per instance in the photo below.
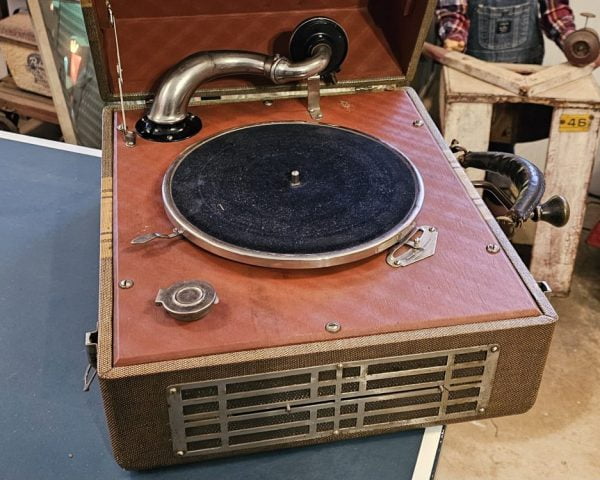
(299, 405)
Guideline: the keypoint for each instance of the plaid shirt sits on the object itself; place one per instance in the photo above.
(556, 19)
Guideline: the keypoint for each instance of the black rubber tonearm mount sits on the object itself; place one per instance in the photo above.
(316, 31)
(158, 132)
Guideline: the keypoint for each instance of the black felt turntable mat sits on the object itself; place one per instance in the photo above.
(236, 187)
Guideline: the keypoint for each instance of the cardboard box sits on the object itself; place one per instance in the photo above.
(19, 47)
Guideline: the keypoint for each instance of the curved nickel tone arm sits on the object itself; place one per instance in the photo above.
(528, 180)
(168, 119)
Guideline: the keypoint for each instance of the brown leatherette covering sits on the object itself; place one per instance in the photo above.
(260, 307)
(385, 35)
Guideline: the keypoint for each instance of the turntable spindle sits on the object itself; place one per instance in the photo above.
(295, 178)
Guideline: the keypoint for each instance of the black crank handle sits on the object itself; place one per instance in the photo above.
(530, 183)
(528, 179)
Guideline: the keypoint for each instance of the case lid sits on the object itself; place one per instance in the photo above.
(386, 38)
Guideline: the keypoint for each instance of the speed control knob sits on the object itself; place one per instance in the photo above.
(187, 301)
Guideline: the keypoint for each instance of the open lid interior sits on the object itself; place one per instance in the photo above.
(385, 36)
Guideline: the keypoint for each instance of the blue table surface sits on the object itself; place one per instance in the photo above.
(49, 217)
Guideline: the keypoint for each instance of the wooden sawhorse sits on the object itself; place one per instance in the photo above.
(467, 105)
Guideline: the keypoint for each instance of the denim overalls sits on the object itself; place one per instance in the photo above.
(505, 31)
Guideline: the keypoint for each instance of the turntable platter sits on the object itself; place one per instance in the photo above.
(293, 195)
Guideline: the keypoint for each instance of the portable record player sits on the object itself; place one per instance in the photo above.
(299, 258)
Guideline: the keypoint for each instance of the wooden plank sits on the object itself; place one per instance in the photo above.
(470, 124)
(25, 103)
(58, 95)
(525, 80)
(486, 71)
(568, 169)
(582, 93)
(555, 76)
(460, 85)
(521, 68)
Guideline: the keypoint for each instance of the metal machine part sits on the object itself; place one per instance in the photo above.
(583, 46)
(91, 348)
(545, 287)
(187, 301)
(153, 236)
(420, 245)
(528, 180)
(318, 31)
(128, 135)
(243, 413)
(314, 97)
(315, 54)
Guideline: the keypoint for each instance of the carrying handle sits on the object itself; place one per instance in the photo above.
(528, 180)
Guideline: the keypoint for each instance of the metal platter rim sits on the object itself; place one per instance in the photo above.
(289, 260)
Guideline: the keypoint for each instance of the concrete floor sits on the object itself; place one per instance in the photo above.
(560, 437)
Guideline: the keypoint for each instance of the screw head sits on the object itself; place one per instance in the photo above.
(494, 348)
(268, 103)
(333, 327)
(481, 410)
(492, 248)
(336, 432)
(432, 229)
(169, 137)
(418, 123)
(180, 453)
(340, 366)
(127, 283)
(172, 391)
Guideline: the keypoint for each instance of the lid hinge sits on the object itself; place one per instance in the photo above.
(129, 136)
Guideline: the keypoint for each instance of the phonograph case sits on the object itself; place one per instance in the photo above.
(292, 357)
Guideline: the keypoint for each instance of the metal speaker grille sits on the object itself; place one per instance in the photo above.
(240, 413)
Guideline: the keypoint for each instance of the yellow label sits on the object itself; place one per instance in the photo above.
(575, 123)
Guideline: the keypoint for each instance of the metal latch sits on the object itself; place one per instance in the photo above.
(545, 287)
(419, 246)
(91, 348)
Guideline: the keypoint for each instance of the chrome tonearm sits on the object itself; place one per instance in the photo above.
(318, 47)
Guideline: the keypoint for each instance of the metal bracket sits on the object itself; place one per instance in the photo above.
(419, 246)
(129, 136)
(314, 97)
(545, 287)
(148, 237)
(91, 348)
